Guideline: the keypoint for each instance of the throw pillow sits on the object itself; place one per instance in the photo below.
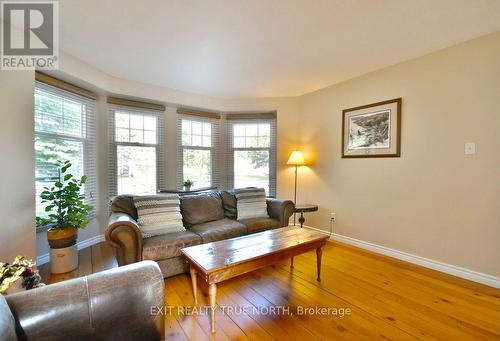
(251, 203)
(158, 214)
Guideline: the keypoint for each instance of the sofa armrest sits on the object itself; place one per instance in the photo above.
(117, 304)
(124, 235)
(280, 210)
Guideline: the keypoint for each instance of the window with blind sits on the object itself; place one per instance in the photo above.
(64, 130)
(198, 140)
(251, 155)
(136, 159)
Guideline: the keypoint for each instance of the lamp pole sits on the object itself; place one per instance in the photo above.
(295, 194)
(296, 159)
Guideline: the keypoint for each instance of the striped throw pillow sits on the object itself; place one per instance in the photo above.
(158, 214)
(251, 203)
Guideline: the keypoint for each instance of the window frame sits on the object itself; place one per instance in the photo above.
(113, 146)
(230, 164)
(87, 138)
(214, 174)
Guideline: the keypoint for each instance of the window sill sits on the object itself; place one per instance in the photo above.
(43, 228)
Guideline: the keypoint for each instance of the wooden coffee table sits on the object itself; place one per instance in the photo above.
(225, 259)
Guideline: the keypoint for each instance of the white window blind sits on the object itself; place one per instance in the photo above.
(64, 130)
(137, 143)
(251, 153)
(198, 142)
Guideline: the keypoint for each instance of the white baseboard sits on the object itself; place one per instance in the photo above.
(414, 259)
(91, 241)
(45, 258)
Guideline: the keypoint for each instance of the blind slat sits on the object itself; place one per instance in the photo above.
(252, 116)
(54, 82)
(135, 104)
(198, 113)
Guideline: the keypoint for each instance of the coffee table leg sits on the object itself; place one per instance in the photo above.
(291, 263)
(193, 282)
(212, 291)
(319, 253)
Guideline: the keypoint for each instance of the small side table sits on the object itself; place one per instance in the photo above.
(304, 208)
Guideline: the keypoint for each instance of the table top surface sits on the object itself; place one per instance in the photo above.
(214, 256)
(306, 208)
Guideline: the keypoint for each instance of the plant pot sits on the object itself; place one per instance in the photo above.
(63, 260)
(59, 239)
(63, 250)
(187, 188)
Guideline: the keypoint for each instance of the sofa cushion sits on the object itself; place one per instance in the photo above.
(124, 204)
(168, 245)
(255, 225)
(158, 214)
(219, 230)
(7, 322)
(251, 203)
(229, 204)
(201, 208)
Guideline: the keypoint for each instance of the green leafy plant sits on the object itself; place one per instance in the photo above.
(65, 201)
(188, 183)
(20, 268)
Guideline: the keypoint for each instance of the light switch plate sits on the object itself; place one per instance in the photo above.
(470, 148)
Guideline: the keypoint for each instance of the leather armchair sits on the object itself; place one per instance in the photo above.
(110, 305)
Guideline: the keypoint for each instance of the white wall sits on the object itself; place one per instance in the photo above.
(433, 201)
(17, 170)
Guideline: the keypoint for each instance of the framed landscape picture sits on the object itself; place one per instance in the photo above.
(372, 130)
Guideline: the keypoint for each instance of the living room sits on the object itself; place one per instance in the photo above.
(250, 170)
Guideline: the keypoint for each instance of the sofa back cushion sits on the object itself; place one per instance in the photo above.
(251, 203)
(201, 208)
(124, 204)
(158, 214)
(229, 204)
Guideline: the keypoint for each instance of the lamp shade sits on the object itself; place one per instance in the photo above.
(296, 159)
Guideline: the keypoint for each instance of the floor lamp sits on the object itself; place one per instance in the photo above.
(296, 159)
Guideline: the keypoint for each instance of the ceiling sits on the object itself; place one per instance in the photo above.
(259, 48)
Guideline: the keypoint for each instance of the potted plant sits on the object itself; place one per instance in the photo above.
(18, 276)
(187, 184)
(68, 212)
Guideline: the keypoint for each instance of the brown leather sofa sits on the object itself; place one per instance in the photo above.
(117, 304)
(208, 217)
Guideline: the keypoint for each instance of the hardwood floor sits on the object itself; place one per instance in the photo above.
(387, 298)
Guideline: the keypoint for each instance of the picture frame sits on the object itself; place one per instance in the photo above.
(372, 130)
